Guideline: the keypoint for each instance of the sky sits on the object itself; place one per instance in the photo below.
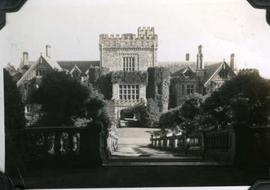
(72, 29)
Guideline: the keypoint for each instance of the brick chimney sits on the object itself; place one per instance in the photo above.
(187, 56)
(48, 53)
(232, 62)
(25, 60)
(200, 64)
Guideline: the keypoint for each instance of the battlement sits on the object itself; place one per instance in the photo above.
(143, 32)
(145, 37)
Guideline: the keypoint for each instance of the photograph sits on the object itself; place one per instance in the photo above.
(125, 93)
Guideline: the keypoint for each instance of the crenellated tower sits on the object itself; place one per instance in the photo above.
(129, 52)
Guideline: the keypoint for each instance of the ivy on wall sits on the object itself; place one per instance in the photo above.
(94, 73)
(104, 85)
(156, 76)
(158, 86)
(129, 77)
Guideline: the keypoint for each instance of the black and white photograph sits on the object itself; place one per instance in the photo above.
(125, 93)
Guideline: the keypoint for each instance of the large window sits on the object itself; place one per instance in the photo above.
(129, 92)
(190, 89)
(41, 72)
(129, 64)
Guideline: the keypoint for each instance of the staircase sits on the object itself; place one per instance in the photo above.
(134, 150)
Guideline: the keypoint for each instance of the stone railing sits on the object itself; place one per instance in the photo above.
(65, 146)
(220, 145)
(55, 140)
(215, 145)
(179, 143)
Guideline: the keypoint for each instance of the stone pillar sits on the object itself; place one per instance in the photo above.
(70, 142)
(175, 143)
(115, 91)
(142, 92)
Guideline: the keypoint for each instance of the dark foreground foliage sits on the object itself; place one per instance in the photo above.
(14, 124)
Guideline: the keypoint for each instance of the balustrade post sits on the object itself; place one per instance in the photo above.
(176, 143)
(46, 143)
(70, 142)
(57, 144)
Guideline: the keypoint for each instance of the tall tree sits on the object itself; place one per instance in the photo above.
(61, 98)
(244, 99)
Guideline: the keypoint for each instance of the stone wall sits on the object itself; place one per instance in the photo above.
(178, 90)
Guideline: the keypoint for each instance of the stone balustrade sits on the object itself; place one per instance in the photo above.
(54, 140)
(169, 142)
(216, 145)
(67, 145)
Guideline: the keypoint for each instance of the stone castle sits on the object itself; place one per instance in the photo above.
(133, 74)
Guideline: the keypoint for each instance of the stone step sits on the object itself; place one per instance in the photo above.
(156, 159)
(163, 163)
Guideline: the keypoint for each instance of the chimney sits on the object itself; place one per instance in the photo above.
(200, 64)
(48, 53)
(187, 56)
(25, 58)
(232, 62)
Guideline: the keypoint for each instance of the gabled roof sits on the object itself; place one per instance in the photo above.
(82, 65)
(47, 60)
(75, 68)
(213, 69)
(210, 70)
(175, 66)
(52, 63)
(182, 71)
(177, 69)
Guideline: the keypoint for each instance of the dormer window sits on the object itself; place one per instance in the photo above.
(38, 73)
(76, 74)
(223, 73)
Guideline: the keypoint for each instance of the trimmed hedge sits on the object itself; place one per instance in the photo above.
(148, 116)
